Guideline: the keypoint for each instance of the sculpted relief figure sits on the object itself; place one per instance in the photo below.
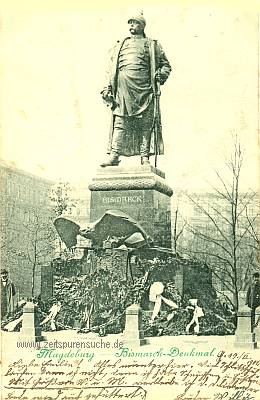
(138, 66)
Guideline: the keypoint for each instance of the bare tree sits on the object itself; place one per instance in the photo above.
(38, 244)
(179, 225)
(228, 237)
(61, 199)
(61, 203)
(8, 242)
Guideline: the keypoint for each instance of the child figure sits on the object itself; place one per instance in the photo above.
(197, 312)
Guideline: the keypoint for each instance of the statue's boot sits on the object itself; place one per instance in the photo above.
(145, 160)
(112, 160)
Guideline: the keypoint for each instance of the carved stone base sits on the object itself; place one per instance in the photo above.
(140, 192)
(31, 330)
(244, 337)
(133, 334)
(246, 340)
(257, 328)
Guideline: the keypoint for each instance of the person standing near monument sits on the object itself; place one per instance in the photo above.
(138, 67)
(253, 295)
(7, 294)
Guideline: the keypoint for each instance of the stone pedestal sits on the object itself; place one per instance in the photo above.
(244, 336)
(31, 330)
(133, 334)
(257, 321)
(140, 192)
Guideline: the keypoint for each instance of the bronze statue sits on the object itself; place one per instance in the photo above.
(138, 67)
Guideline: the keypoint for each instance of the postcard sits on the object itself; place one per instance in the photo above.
(129, 200)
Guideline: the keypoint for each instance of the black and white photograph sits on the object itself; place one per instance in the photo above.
(129, 198)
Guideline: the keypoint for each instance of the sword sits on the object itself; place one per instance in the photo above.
(156, 119)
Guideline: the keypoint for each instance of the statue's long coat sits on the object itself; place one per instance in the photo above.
(158, 60)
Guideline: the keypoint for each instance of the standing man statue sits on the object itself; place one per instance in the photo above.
(138, 67)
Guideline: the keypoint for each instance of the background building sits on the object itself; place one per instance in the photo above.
(80, 203)
(26, 226)
(223, 232)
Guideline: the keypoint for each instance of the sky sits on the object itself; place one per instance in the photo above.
(54, 57)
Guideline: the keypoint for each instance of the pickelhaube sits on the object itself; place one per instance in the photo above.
(139, 18)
